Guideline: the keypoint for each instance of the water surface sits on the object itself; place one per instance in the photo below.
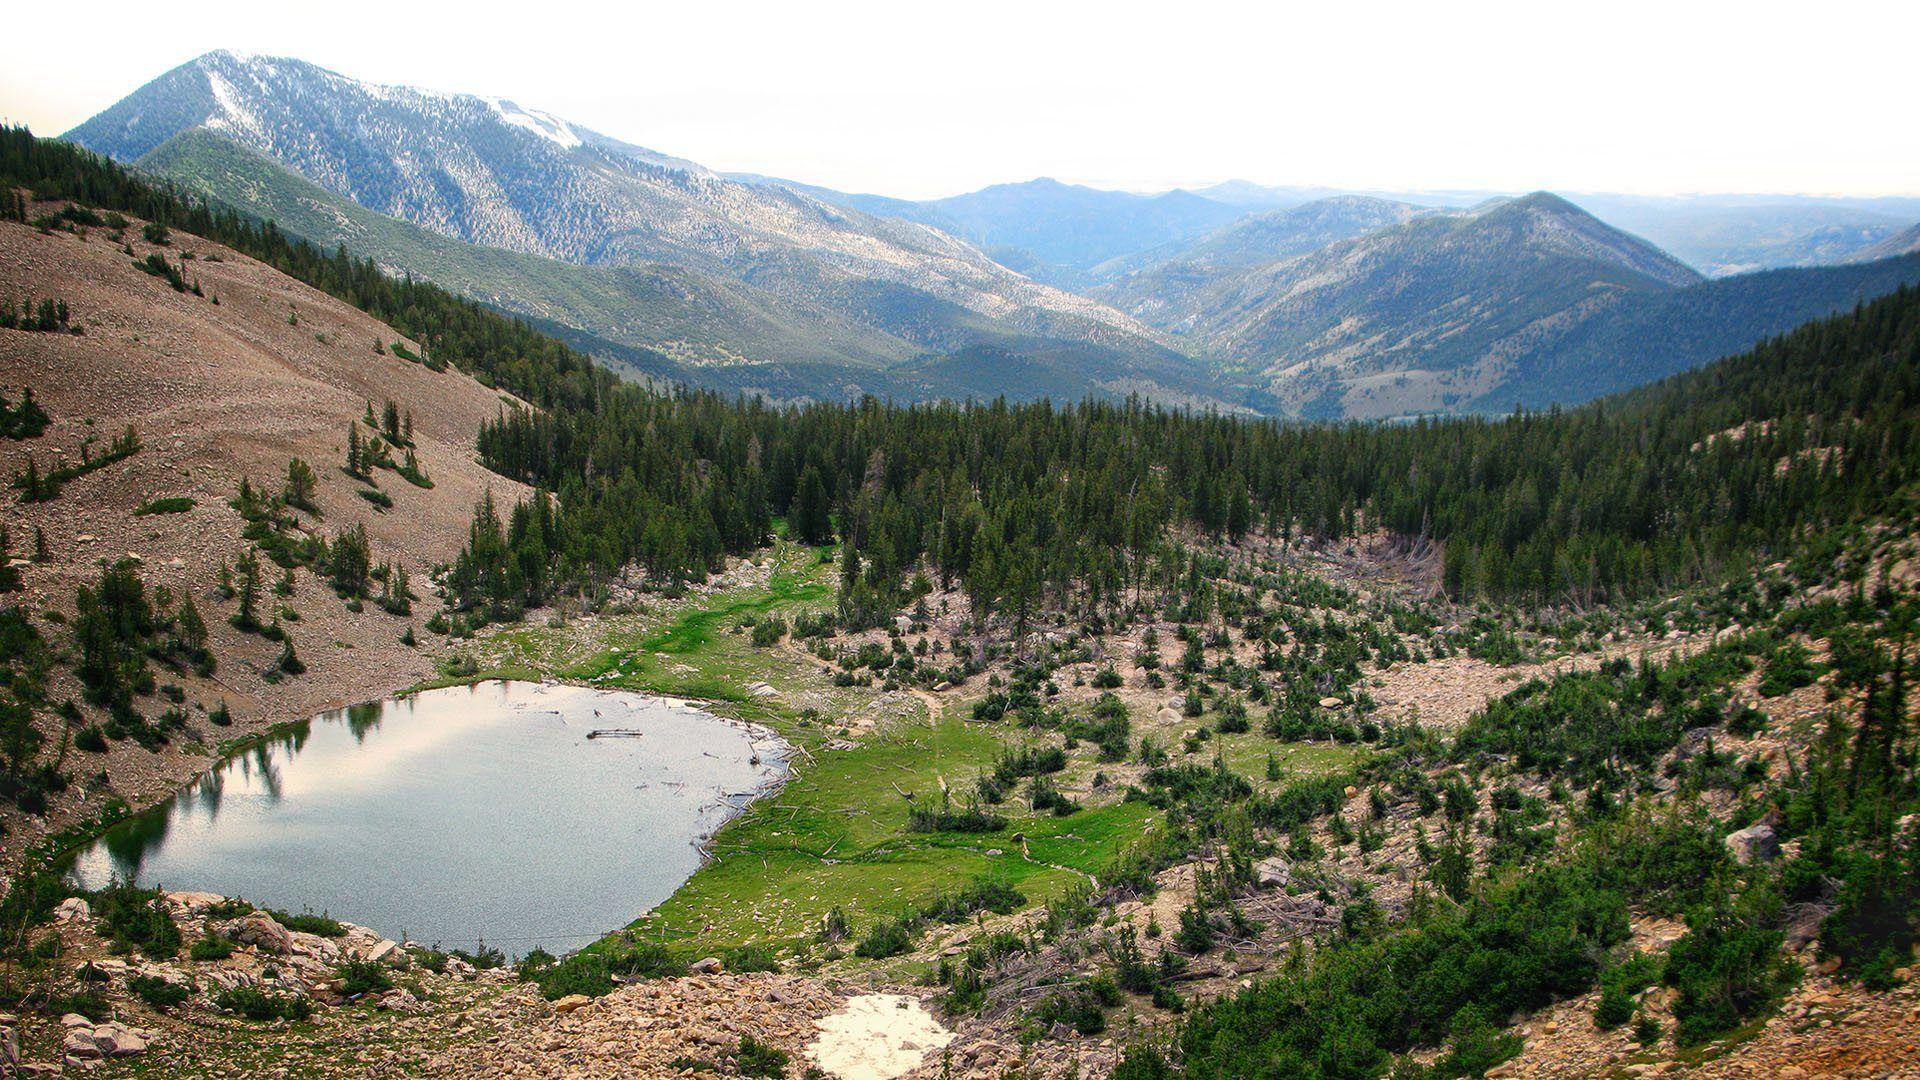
(455, 815)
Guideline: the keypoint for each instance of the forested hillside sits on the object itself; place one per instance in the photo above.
(1672, 483)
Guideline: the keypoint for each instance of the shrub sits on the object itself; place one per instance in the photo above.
(591, 971)
(257, 1005)
(884, 940)
(1789, 668)
(178, 504)
(482, 956)
(1081, 1008)
(159, 993)
(1728, 968)
(211, 947)
(137, 918)
(945, 818)
(755, 1058)
(309, 923)
(1618, 986)
(358, 977)
(1476, 1045)
(993, 896)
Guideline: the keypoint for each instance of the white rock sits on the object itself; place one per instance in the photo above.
(389, 953)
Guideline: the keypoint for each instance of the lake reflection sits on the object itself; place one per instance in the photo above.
(477, 812)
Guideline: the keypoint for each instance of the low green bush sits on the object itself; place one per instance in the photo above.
(258, 1005)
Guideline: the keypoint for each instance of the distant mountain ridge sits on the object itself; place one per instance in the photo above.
(1904, 242)
(1299, 301)
(489, 172)
(1069, 229)
(1422, 314)
(661, 323)
(1161, 280)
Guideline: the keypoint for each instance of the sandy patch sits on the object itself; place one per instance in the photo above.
(877, 1037)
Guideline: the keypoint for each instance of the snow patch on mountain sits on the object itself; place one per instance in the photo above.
(545, 125)
(234, 116)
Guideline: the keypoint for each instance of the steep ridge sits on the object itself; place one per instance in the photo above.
(1652, 336)
(689, 316)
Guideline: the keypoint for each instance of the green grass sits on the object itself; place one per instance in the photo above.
(836, 836)
(1246, 754)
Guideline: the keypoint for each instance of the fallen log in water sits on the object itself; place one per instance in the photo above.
(614, 733)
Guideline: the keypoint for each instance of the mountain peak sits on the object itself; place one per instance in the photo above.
(1540, 201)
(1545, 221)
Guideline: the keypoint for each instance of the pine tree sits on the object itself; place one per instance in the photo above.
(300, 485)
(247, 618)
(289, 660)
(811, 517)
(390, 423)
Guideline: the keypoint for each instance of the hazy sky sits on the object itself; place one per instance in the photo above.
(924, 99)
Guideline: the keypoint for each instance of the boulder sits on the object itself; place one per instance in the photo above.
(80, 1044)
(1755, 843)
(105, 966)
(1330, 702)
(313, 946)
(73, 907)
(193, 903)
(263, 932)
(708, 966)
(118, 1040)
(572, 1003)
(389, 953)
(1272, 873)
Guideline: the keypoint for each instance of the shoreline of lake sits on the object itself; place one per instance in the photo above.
(539, 817)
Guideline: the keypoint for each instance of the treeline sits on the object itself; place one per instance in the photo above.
(1028, 503)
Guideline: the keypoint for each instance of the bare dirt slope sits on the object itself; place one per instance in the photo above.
(218, 391)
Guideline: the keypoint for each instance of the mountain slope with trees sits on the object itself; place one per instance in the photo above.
(1608, 499)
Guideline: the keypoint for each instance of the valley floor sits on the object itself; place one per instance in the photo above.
(836, 842)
